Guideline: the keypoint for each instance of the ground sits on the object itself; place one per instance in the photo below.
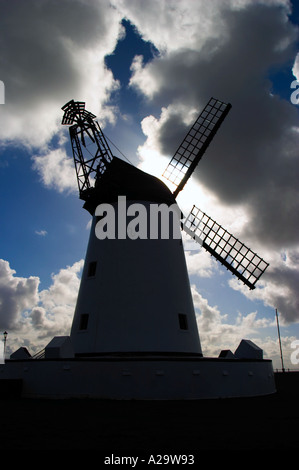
(153, 427)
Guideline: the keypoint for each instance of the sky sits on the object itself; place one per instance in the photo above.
(146, 69)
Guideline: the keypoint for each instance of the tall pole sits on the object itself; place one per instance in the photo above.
(4, 348)
(279, 340)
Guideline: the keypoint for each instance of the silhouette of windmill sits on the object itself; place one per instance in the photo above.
(135, 294)
(134, 333)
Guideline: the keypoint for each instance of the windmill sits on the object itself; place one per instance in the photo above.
(134, 333)
(135, 295)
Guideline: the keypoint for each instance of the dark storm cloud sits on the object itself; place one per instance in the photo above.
(253, 162)
(288, 303)
(50, 52)
(253, 159)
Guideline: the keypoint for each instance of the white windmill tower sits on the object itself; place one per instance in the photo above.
(135, 293)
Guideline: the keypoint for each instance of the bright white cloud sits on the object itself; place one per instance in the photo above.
(41, 233)
(64, 288)
(218, 333)
(296, 67)
(200, 263)
(56, 170)
(33, 317)
(17, 294)
(184, 24)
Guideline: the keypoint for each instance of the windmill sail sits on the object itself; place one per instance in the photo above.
(73, 111)
(233, 254)
(195, 143)
(91, 159)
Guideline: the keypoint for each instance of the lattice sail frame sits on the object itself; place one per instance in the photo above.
(226, 248)
(92, 155)
(74, 111)
(195, 143)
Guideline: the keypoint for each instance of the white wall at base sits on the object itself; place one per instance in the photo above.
(152, 379)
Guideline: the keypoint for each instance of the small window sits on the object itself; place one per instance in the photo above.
(183, 321)
(83, 321)
(92, 269)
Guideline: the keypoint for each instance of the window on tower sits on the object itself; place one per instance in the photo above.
(183, 321)
(83, 321)
(92, 269)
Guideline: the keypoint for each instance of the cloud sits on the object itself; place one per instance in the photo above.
(200, 262)
(17, 294)
(54, 314)
(255, 153)
(295, 69)
(175, 25)
(41, 233)
(56, 170)
(279, 285)
(217, 332)
(52, 52)
(64, 288)
(251, 169)
(32, 317)
(225, 48)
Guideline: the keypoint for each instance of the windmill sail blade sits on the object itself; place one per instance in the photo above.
(195, 143)
(75, 111)
(233, 254)
(92, 155)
